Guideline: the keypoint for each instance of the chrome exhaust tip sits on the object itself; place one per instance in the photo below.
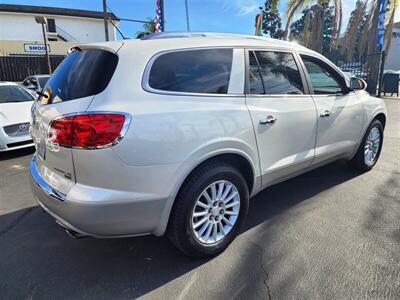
(72, 233)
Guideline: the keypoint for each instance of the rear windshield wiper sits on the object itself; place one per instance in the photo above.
(42, 94)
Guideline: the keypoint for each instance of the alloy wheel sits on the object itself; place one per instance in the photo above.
(215, 212)
(372, 145)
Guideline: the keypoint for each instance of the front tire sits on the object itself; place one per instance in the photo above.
(370, 148)
(209, 210)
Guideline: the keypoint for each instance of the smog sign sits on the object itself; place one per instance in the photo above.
(38, 48)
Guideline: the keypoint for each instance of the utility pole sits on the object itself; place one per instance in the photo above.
(162, 16)
(187, 16)
(324, 7)
(105, 19)
(42, 20)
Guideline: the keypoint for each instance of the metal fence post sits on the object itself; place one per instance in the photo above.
(381, 70)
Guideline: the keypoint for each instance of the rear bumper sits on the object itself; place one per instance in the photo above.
(136, 217)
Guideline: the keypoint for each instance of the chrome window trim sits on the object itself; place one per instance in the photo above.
(145, 78)
(46, 188)
(124, 130)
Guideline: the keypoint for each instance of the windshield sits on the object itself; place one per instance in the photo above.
(14, 93)
(81, 74)
(43, 80)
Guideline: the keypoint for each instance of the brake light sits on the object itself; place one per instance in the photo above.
(93, 130)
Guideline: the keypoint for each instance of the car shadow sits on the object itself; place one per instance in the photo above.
(37, 259)
(16, 153)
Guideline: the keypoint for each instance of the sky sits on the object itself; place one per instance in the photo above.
(231, 16)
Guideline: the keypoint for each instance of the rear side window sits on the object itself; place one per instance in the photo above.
(277, 72)
(194, 71)
(81, 74)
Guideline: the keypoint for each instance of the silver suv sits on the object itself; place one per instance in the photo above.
(173, 134)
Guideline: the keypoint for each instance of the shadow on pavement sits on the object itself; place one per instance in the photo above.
(37, 259)
(16, 153)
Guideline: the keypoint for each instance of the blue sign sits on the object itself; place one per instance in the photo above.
(381, 24)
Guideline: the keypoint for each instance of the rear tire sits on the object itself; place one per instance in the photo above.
(370, 148)
(200, 225)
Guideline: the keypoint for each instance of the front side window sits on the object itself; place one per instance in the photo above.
(323, 78)
(275, 72)
(194, 71)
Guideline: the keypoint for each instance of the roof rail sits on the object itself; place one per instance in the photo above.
(172, 35)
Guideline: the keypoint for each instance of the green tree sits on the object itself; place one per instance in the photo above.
(357, 24)
(294, 6)
(327, 32)
(298, 27)
(150, 26)
(272, 23)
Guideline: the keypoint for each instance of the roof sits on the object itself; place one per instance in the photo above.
(198, 39)
(44, 10)
(183, 40)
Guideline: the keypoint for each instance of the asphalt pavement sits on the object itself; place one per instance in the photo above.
(329, 234)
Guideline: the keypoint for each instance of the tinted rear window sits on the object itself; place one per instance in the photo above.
(192, 71)
(43, 81)
(81, 74)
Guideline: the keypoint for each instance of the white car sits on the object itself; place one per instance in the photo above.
(35, 83)
(15, 114)
(174, 133)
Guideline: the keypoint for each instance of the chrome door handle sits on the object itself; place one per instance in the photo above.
(325, 114)
(268, 120)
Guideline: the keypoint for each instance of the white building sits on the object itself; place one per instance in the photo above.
(393, 58)
(19, 30)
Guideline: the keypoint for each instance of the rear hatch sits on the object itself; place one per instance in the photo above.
(83, 74)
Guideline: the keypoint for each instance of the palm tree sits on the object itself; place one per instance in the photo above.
(296, 5)
(150, 26)
(353, 37)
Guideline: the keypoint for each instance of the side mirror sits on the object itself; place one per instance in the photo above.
(357, 84)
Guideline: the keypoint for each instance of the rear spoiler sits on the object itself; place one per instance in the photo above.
(110, 47)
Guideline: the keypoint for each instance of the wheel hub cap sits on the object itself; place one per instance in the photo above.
(372, 145)
(215, 212)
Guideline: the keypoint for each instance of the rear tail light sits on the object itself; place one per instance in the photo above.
(88, 131)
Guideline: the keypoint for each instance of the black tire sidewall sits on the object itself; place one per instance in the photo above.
(359, 160)
(189, 244)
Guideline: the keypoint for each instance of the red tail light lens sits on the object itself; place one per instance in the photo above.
(87, 130)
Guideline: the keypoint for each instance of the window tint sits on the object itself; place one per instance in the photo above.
(81, 74)
(43, 81)
(193, 71)
(256, 84)
(14, 93)
(322, 77)
(279, 73)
